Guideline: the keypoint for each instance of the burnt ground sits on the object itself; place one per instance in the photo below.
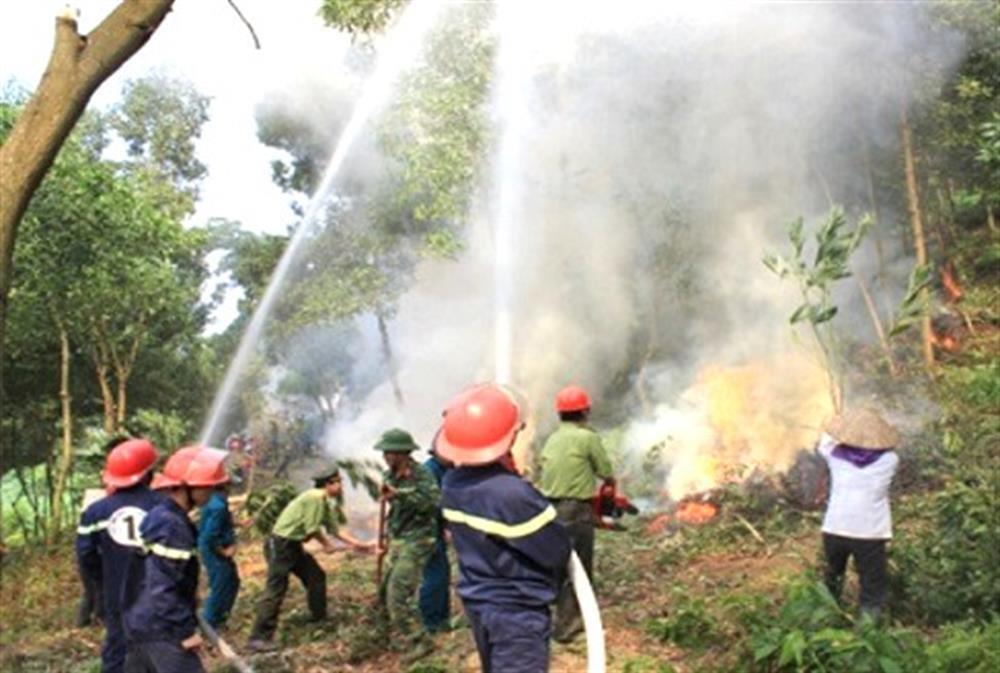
(642, 579)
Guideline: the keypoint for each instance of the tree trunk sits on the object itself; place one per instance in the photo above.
(77, 66)
(917, 224)
(877, 323)
(66, 455)
(107, 396)
(122, 380)
(390, 364)
(876, 216)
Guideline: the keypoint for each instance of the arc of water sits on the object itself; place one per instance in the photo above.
(512, 75)
(401, 48)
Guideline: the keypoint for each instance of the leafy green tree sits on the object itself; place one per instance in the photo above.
(834, 244)
(77, 66)
(160, 118)
(359, 16)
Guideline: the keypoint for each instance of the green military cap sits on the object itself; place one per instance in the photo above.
(396, 441)
(326, 476)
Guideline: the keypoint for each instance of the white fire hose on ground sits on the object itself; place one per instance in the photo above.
(590, 612)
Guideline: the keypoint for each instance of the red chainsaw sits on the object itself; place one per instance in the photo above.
(610, 506)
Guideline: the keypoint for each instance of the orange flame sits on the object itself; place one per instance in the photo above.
(695, 513)
(945, 342)
(951, 286)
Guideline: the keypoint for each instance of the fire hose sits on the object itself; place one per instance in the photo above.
(228, 652)
(591, 614)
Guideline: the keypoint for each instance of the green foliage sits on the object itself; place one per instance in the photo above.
(688, 625)
(266, 506)
(166, 430)
(834, 245)
(966, 647)
(359, 16)
(644, 664)
(811, 633)
(912, 308)
(160, 119)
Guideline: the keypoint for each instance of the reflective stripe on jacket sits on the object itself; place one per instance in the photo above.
(161, 585)
(108, 534)
(508, 542)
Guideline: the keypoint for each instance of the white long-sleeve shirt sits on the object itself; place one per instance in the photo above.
(859, 496)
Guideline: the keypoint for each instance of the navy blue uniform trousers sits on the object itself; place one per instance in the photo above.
(161, 657)
(511, 639)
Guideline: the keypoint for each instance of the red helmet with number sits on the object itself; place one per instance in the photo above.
(572, 398)
(479, 425)
(129, 462)
(176, 467)
(207, 468)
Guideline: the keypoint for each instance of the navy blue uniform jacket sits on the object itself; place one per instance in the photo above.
(107, 537)
(508, 542)
(161, 584)
(215, 529)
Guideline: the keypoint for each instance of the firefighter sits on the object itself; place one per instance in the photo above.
(217, 549)
(413, 530)
(161, 583)
(109, 532)
(858, 448)
(435, 608)
(510, 547)
(308, 516)
(573, 459)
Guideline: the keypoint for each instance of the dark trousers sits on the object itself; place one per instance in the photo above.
(90, 609)
(511, 639)
(285, 557)
(577, 517)
(869, 561)
(223, 585)
(161, 657)
(434, 596)
(113, 650)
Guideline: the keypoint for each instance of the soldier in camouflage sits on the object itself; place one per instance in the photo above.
(413, 528)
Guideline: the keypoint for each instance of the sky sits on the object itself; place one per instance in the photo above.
(205, 42)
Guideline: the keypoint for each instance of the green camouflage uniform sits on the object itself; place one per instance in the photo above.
(413, 530)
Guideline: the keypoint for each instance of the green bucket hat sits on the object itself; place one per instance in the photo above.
(321, 479)
(396, 441)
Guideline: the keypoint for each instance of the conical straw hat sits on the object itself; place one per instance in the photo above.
(863, 428)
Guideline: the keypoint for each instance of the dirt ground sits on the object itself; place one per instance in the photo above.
(633, 584)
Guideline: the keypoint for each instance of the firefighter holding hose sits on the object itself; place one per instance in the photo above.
(160, 595)
(109, 532)
(509, 546)
(573, 460)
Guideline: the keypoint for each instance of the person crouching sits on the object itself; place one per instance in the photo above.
(858, 448)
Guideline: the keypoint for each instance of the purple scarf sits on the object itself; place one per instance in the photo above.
(857, 456)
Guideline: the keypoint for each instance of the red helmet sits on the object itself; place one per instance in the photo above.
(572, 398)
(129, 462)
(159, 481)
(176, 467)
(207, 468)
(479, 425)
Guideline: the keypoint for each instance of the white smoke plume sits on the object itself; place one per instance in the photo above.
(664, 148)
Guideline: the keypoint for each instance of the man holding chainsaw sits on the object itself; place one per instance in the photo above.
(413, 495)
(572, 461)
(509, 546)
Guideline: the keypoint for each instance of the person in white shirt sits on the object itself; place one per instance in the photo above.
(858, 448)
